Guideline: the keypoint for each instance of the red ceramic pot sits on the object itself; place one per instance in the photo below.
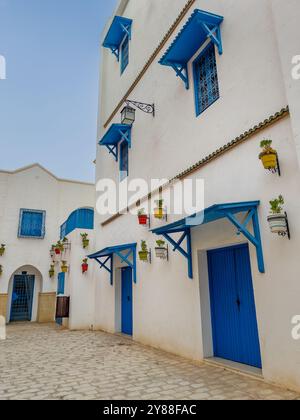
(85, 268)
(143, 219)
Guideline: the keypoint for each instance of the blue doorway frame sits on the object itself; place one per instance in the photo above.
(61, 278)
(233, 312)
(22, 298)
(126, 301)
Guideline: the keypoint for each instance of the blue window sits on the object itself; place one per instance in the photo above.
(206, 79)
(32, 224)
(124, 160)
(125, 54)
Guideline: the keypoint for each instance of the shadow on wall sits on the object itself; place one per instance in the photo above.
(25, 285)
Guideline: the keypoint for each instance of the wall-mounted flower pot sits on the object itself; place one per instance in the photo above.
(161, 252)
(1, 270)
(64, 267)
(84, 268)
(143, 256)
(269, 161)
(143, 219)
(57, 251)
(2, 250)
(159, 213)
(51, 273)
(278, 224)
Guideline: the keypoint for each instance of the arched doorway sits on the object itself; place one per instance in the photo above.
(25, 286)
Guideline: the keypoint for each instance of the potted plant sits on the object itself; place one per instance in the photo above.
(161, 251)
(2, 250)
(143, 218)
(59, 248)
(159, 210)
(64, 267)
(52, 251)
(65, 243)
(1, 270)
(84, 266)
(277, 220)
(143, 254)
(52, 271)
(85, 240)
(268, 156)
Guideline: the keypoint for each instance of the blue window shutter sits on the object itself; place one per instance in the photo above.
(32, 224)
(124, 160)
(206, 79)
(124, 54)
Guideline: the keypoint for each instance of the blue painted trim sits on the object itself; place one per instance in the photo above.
(78, 219)
(119, 28)
(116, 134)
(43, 227)
(108, 255)
(211, 214)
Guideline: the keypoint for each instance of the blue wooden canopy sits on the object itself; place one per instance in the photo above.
(200, 26)
(119, 28)
(211, 214)
(115, 135)
(105, 258)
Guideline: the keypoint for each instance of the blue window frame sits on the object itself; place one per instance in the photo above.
(206, 79)
(124, 54)
(32, 224)
(124, 160)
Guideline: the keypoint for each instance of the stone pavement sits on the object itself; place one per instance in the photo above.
(47, 362)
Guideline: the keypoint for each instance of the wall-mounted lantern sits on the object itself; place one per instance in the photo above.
(128, 115)
(269, 157)
(278, 220)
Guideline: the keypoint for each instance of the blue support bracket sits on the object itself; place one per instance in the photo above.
(177, 247)
(113, 150)
(132, 264)
(116, 52)
(182, 72)
(109, 269)
(214, 33)
(127, 30)
(256, 239)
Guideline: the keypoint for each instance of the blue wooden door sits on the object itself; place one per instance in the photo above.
(234, 322)
(22, 298)
(60, 291)
(126, 299)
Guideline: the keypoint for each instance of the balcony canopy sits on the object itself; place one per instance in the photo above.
(127, 254)
(212, 214)
(199, 27)
(116, 134)
(79, 219)
(119, 28)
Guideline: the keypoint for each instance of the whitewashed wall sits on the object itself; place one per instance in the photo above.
(34, 188)
(167, 310)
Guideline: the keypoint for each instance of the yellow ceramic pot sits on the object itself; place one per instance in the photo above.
(159, 213)
(269, 160)
(64, 269)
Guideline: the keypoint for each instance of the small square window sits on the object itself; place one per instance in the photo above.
(206, 79)
(32, 224)
(124, 54)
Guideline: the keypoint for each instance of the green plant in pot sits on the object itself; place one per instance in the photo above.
(52, 271)
(143, 218)
(1, 270)
(64, 267)
(159, 209)
(2, 250)
(143, 254)
(161, 250)
(277, 219)
(85, 240)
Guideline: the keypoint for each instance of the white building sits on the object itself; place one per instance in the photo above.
(33, 205)
(221, 296)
